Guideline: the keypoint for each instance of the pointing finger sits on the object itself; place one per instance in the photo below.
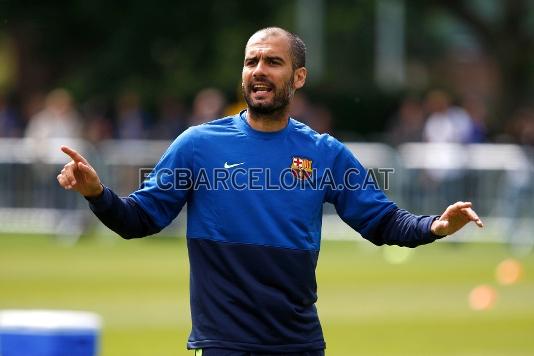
(76, 157)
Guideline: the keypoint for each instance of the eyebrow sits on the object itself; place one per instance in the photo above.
(275, 58)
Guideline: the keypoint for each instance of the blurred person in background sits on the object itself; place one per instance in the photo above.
(517, 201)
(172, 119)
(301, 108)
(208, 105)
(131, 119)
(31, 105)
(408, 122)
(238, 105)
(58, 119)
(405, 126)
(477, 112)
(10, 123)
(253, 253)
(20, 189)
(521, 127)
(98, 126)
(318, 117)
(446, 124)
(322, 119)
(10, 127)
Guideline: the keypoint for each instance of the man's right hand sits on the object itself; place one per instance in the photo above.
(78, 175)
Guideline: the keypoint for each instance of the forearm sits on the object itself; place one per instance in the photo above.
(402, 228)
(122, 215)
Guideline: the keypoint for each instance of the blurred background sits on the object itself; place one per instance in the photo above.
(441, 92)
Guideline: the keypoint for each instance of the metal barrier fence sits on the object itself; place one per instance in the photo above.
(497, 178)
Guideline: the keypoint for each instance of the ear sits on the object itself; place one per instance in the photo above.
(299, 77)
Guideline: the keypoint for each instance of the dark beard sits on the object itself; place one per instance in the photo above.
(281, 100)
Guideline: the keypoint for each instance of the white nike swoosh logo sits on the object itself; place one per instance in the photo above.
(226, 165)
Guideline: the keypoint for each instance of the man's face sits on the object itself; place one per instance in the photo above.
(268, 76)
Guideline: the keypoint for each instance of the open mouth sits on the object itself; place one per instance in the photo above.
(261, 88)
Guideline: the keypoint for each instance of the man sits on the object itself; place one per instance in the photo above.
(253, 235)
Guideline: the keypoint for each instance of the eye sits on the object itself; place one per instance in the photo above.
(250, 62)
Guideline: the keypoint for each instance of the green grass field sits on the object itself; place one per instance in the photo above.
(367, 306)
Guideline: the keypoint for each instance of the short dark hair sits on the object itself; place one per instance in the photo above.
(296, 45)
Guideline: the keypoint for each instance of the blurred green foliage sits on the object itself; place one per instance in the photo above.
(99, 48)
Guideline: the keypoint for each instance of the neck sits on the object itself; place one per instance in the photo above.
(268, 123)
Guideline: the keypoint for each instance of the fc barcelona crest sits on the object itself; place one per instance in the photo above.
(301, 168)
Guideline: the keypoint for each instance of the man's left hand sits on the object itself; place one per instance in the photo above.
(454, 218)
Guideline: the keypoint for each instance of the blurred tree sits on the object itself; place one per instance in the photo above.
(506, 34)
(103, 47)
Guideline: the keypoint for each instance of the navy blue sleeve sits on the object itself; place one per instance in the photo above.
(402, 228)
(122, 215)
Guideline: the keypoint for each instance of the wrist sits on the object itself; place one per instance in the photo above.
(435, 227)
(96, 194)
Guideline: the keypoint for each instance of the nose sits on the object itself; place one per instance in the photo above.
(259, 69)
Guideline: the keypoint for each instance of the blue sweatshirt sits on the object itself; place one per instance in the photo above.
(254, 210)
